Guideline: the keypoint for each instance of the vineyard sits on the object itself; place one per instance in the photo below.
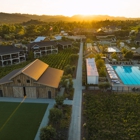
(111, 116)
(59, 61)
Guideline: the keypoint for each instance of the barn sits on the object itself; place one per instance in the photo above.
(36, 80)
(92, 73)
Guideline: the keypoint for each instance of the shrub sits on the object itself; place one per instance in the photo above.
(47, 133)
(55, 115)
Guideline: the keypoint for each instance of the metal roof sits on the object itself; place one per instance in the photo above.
(6, 79)
(91, 67)
(39, 38)
(51, 77)
(35, 69)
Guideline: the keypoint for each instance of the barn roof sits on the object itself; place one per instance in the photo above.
(35, 69)
(6, 79)
(39, 71)
(51, 77)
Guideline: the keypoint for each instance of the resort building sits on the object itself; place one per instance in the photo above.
(64, 44)
(77, 37)
(43, 48)
(105, 38)
(92, 73)
(113, 49)
(36, 80)
(10, 55)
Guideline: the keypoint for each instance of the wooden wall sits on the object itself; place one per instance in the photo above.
(33, 90)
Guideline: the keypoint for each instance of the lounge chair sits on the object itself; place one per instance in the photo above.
(117, 82)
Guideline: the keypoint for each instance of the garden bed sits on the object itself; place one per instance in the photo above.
(62, 127)
(69, 94)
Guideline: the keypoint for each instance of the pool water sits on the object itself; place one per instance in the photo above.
(130, 75)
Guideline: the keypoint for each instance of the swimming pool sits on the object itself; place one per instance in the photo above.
(130, 75)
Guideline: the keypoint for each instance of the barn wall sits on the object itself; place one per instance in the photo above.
(23, 78)
(33, 90)
(42, 91)
(7, 90)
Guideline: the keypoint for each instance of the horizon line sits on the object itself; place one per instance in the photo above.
(68, 15)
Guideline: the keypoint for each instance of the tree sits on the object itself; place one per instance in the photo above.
(75, 49)
(88, 40)
(59, 100)
(102, 72)
(31, 55)
(97, 57)
(47, 133)
(70, 84)
(114, 55)
(55, 115)
(100, 63)
(104, 86)
(128, 55)
(124, 50)
(73, 57)
(68, 69)
(103, 49)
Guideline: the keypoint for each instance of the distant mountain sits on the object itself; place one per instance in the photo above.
(20, 18)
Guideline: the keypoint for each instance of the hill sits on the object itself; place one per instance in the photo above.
(20, 18)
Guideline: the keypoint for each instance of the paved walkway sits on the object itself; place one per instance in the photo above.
(45, 120)
(75, 126)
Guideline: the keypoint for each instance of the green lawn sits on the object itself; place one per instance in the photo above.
(24, 123)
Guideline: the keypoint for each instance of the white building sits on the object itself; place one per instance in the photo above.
(92, 73)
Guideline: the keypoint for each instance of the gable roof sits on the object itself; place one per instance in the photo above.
(39, 71)
(9, 49)
(42, 43)
(48, 77)
(6, 79)
(65, 42)
(34, 70)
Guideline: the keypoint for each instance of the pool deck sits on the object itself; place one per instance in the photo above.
(121, 86)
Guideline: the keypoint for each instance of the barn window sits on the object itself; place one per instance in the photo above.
(18, 81)
(28, 81)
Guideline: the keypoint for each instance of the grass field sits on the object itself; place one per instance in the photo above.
(20, 121)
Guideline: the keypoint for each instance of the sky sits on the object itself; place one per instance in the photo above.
(126, 8)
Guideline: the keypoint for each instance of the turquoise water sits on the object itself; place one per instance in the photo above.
(130, 75)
